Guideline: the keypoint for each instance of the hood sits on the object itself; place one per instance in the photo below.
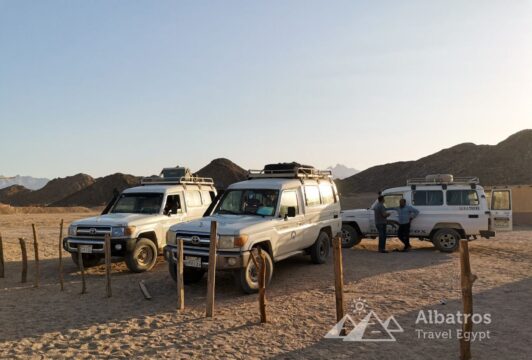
(227, 224)
(355, 213)
(117, 219)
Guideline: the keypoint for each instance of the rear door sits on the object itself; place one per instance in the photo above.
(501, 210)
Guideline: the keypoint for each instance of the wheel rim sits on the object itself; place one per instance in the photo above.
(145, 256)
(323, 250)
(448, 241)
(346, 237)
(252, 274)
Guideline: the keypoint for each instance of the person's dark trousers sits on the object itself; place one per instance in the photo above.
(381, 228)
(403, 233)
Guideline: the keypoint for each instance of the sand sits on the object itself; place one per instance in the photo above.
(46, 323)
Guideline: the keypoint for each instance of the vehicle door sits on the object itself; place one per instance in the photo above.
(194, 204)
(173, 212)
(501, 210)
(464, 209)
(289, 229)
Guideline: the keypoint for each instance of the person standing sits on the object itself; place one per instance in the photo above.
(406, 214)
(380, 222)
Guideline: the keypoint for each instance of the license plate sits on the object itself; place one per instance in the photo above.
(192, 261)
(85, 249)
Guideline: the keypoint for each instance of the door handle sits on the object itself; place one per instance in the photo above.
(473, 216)
(335, 216)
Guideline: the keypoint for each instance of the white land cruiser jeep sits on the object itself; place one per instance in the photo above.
(139, 218)
(285, 209)
(451, 209)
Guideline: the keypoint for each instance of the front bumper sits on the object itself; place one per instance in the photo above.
(225, 260)
(119, 246)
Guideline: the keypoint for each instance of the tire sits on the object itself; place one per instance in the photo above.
(319, 252)
(446, 240)
(247, 277)
(350, 236)
(89, 260)
(190, 276)
(143, 256)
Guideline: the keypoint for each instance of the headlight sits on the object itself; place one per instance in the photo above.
(171, 238)
(72, 230)
(121, 231)
(231, 242)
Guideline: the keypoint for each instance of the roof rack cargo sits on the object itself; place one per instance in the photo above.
(438, 179)
(176, 175)
(290, 171)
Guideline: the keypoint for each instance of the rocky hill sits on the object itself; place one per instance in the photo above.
(507, 163)
(28, 182)
(224, 172)
(100, 192)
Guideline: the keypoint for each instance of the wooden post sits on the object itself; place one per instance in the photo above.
(82, 270)
(338, 276)
(179, 273)
(107, 249)
(467, 298)
(61, 279)
(24, 260)
(212, 269)
(2, 274)
(262, 286)
(36, 251)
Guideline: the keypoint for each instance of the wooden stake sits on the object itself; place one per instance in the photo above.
(262, 287)
(179, 273)
(108, 265)
(61, 279)
(212, 270)
(2, 274)
(82, 270)
(467, 298)
(36, 251)
(144, 290)
(24, 260)
(338, 277)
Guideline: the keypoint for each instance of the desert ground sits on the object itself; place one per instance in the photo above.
(46, 323)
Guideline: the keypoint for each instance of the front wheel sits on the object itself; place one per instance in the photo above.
(248, 277)
(350, 236)
(143, 256)
(89, 260)
(319, 252)
(446, 240)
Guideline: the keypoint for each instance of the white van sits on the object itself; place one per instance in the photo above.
(451, 208)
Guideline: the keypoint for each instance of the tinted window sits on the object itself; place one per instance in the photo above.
(462, 197)
(327, 196)
(288, 199)
(149, 203)
(427, 198)
(173, 204)
(206, 196)
(193, 198)
(312, 195)
(249, 201)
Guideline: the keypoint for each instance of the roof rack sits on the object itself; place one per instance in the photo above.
(444, 179)
(295, 173)
(183, 180)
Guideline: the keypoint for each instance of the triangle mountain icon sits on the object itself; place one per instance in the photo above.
(392, 325)
(371, 329)
(335, 332)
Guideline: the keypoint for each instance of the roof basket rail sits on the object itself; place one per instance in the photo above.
(183, 180)
(444, 179)
(295, 173)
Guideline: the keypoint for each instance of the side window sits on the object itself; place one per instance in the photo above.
(327, 196)
(288, 199)
(427, 198)
(312, 195)
(500, 200)
(206, 197)
(462, 197)
(392, 200)
(173, 204)
(193, 198)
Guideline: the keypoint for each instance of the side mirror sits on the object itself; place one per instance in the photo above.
(291, 212)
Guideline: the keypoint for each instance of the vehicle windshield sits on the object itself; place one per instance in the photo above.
(138, 203)
(262, 202)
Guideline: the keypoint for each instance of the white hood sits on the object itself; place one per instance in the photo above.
(118, 219)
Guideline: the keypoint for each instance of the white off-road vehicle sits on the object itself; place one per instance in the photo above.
(285, 209)
(139, 218)
(451, 208)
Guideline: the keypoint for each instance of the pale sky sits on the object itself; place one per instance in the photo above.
(133, 86)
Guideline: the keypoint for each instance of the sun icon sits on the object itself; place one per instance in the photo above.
(360, 306)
